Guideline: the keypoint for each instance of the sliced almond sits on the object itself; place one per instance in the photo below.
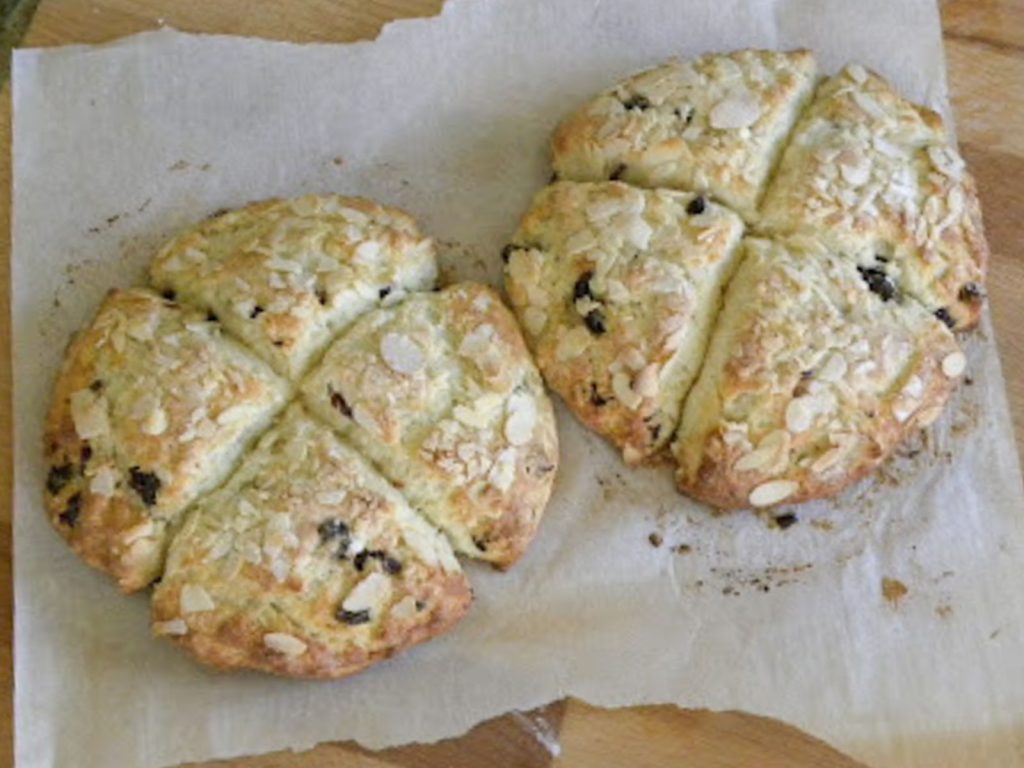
(772, 492)
(954, 364)
(402, 354)
(195, 599)
(285, 644)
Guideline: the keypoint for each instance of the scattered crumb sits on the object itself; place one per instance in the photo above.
(338, 160)
(655, 539)
(823, 525)
(944, 611)
(205, 167)
(145, 205)
(181, 165)
(893, 590)
(995, 634)
(683, 549)
(786, 520)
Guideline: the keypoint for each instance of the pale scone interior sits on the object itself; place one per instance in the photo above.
(617, 288)
(153, 407)
(714, 124)
(286, 275)
(810, 381)
(306, 563)
(441, 394)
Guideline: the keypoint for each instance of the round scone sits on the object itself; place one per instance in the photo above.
(152, 408)
(811, 380)
(441, 394)
(617, 288)
(876, 178)
(286, 275)
(715, 124)
(306, 563)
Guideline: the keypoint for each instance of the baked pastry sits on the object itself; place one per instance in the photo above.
(296, 556)
(876, 178)
(811, 380)
(152, 408)
(306, 563)
(440, 393)
(617, 288)
(715, 124)
(285, 276)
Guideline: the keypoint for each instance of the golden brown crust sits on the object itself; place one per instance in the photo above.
(151, 408)
(617, 288)
(714, 124)
(307, 564)
(812, 380)
(441, 394)
(873, 175)
(287, 275)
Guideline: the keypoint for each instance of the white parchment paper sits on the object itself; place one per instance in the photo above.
(116, 147)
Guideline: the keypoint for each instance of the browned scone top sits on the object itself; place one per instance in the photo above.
(285, 276)
(811, 381)
(616, 288)
(714, 124)
(306, 563)
(441, 393)
(152, 407)
(877, 179)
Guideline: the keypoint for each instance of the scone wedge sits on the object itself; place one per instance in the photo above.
(617, 288)
(877, 179)
(715, 124)
(286, 275)
(440, 393)
(152, 408)
(306, 563)
(811, 380)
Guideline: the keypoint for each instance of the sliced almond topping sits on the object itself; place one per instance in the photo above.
(89, 414)
(402, 354)
(535, 319)
(522, 417)
(954, 364)
(104, 482)
(172, 628)
(368, 594)
(285, 644)
(834, 368)
(646, 383)
(573, 343)
(156, 422)
(738, 111)
(194, 599)
(857, 73)
(772, 492)
(800, 414)
(624, 392)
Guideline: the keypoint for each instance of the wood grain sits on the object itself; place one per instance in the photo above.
(985, 52)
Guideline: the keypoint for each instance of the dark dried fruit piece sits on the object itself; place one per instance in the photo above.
(480, 544)
(971, 292)
(943, 314)
(879, 283)
(169, 295)
(58, 478)
(86, 454)
(595, 322)
(383, 292)
(596, 397)
(256, 312)
(146, 484)
(96, 385)
(321, 296)
(637, 101)
(696, 206)
(784, 521)
(353, 618)
(391, 566)
(359, 561)
(339, 403)
(581, 288)
(211, 317)
(70, 514)
(618, 172)
(331, 528)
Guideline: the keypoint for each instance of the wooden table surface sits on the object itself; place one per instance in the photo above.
(985, 54)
